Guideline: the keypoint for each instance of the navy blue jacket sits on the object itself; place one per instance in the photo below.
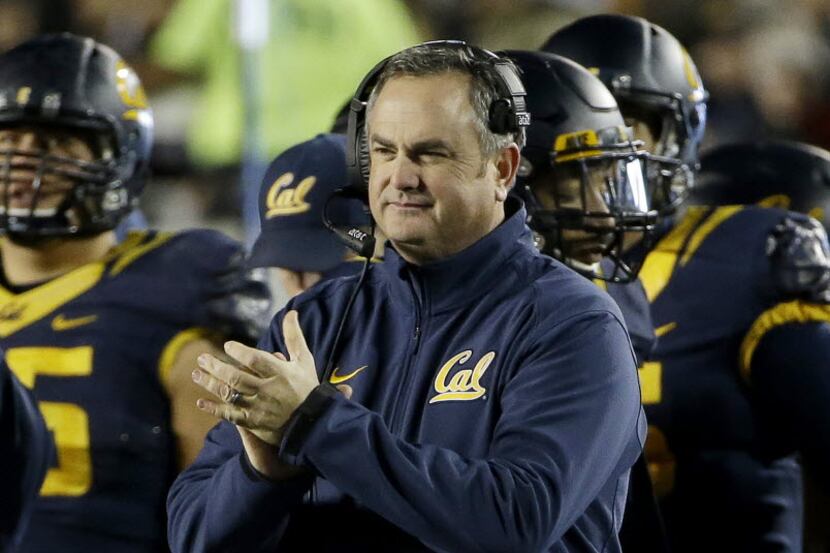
(496, 408)
(27, 449)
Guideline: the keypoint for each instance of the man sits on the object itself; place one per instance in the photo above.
(584, 183)
(104, 333)
(27, 449)
(790, 175)
(293, 239)
(720, 281)
(494, 403)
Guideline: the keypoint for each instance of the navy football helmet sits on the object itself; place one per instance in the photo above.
(73, 85)
(654, 81)
(582, 176)
(786, 174)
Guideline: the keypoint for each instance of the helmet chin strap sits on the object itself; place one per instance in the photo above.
(591, 268)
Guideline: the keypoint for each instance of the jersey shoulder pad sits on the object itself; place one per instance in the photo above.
(799, 258)
(228, 297)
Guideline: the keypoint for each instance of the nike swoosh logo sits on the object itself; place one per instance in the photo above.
(60, 322)
(665, 329)
(338, 378)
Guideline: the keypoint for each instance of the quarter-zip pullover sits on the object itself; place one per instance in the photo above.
(495, 408)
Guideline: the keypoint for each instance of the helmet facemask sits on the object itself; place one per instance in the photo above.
(46, 191)
(677, 129)
(591, 202)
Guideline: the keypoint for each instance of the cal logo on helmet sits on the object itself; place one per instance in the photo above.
(130, 90)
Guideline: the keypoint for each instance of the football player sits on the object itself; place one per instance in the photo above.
(790, 175)
(583, 179)
(105, 334)
(739, 299)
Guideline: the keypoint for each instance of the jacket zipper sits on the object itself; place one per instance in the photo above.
(415, 346)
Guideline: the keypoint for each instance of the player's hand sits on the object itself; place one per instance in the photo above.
(262, 392)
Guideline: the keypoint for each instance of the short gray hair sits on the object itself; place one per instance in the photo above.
(486, 84)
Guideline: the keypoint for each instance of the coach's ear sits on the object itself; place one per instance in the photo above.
(507, 165)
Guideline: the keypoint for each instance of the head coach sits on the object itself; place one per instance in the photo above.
(476, 395)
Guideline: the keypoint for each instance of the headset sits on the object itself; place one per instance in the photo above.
(507, 114)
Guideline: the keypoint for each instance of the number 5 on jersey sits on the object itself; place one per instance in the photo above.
(68, 422)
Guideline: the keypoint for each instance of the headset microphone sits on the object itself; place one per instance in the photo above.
(357, 240)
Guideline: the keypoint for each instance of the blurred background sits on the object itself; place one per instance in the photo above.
(234, 82)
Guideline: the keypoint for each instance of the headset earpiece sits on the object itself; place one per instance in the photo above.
(502, 117)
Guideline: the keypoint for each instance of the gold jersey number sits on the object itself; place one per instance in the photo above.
(661, 461)
(68, 422)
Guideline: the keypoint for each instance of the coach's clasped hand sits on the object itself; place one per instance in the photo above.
(258, 391)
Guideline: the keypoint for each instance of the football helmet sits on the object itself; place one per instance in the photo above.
(655, 82)
(72, 85)
(581, 175)
(786, 174)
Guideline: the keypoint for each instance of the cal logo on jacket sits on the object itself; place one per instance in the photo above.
(464, 384)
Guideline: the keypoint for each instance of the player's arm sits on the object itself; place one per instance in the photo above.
(190, 425)
(231, 303)
(786, 361)
(790, 379)
(786, 354)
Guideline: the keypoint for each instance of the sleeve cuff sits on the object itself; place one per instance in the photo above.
(303, 420)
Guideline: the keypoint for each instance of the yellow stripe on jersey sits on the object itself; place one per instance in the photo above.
(784, 313)
(661, 261)
(136, 251)
(18, 311)
(720, 215)
(679, 245)
(175, 345)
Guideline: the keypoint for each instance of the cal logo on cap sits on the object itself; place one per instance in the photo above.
(285, 199)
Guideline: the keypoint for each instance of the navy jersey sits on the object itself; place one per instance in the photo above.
(718, 283)
(633, 303)
(94, 345)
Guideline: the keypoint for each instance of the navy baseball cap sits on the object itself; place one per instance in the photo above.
(291, 198)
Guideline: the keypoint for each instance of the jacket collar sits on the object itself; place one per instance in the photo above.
(470, 273)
